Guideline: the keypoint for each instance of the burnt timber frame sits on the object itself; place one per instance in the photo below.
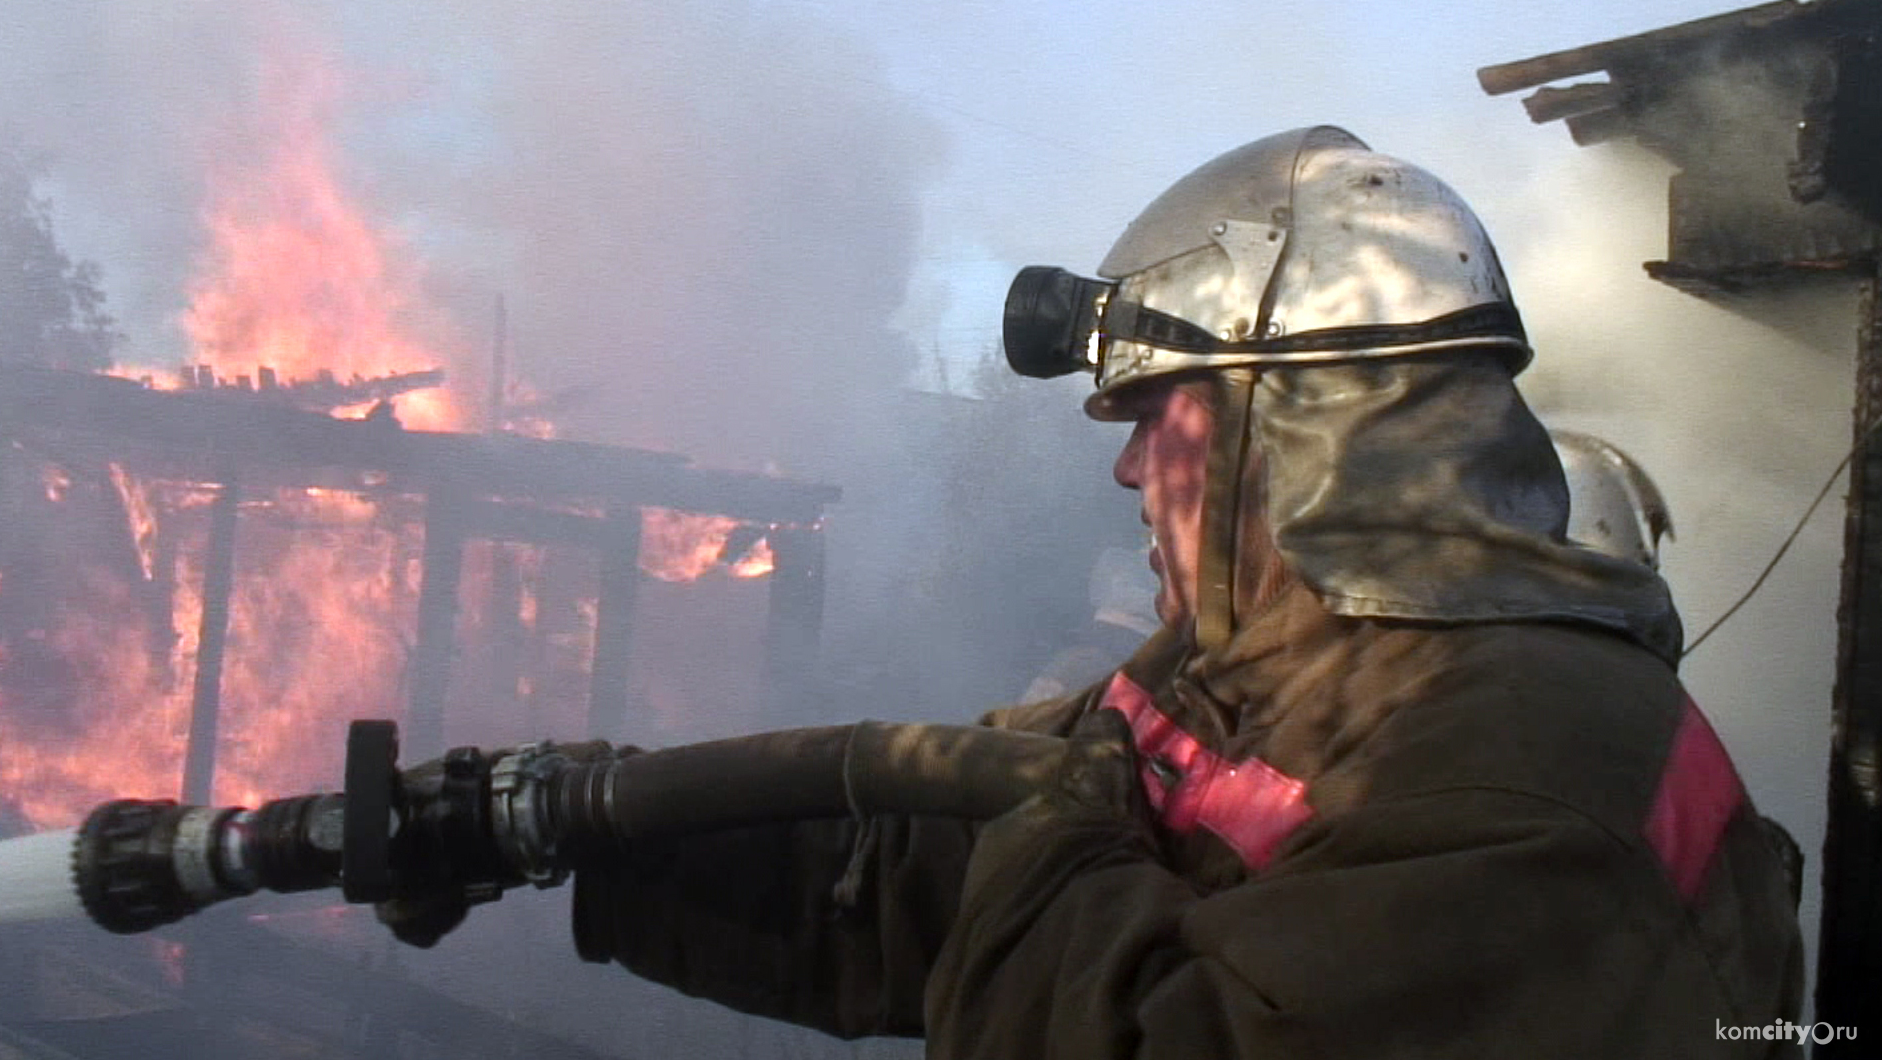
(1814, 210)
(476, 486)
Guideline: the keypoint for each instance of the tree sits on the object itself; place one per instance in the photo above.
(52, 310)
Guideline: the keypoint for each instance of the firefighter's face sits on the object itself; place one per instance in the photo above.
(1165, 460)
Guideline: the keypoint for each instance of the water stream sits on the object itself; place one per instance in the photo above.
(36, 878)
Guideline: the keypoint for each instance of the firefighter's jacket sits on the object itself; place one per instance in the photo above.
(1374, 839)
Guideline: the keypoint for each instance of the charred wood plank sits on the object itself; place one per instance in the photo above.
(1549, 104)
(192, 433)
(1577, 62)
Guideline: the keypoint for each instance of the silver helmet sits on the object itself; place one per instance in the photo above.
(1613, 507)
(1305, 247)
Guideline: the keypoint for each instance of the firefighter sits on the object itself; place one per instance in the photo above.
(1614, 506)
(1403, 773)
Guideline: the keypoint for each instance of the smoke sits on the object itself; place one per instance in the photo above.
(1739, 410)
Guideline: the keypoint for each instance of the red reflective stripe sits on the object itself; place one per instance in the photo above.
(1699, 792)
(1249, 805)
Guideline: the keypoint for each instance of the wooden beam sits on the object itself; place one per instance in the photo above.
(1549, 104)
(190, 433)
(1577, 62)
(199, 758)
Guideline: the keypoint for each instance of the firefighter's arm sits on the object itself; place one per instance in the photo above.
(761, 919)
(1460, 923)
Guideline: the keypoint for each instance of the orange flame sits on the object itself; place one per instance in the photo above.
(757, 563)
(298, 281)
(681, 546)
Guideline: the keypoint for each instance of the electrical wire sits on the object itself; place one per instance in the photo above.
(1842, 465)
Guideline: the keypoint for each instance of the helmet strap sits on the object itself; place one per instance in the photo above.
(1218, 566)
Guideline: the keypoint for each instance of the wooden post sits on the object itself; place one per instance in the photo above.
(437, 624)
(504, 637)
(614, 618)
(795, 620)
(496, 404)
(1849, 953)
(199, 759)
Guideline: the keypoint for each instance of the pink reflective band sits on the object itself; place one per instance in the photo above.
(1249, 805)
(1699, 792)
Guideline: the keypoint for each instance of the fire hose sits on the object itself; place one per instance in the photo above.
(478, 824)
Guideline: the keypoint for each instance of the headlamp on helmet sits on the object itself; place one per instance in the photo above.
(1058, 322)
(1052, 322)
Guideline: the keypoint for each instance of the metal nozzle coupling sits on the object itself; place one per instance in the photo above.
(519, 811)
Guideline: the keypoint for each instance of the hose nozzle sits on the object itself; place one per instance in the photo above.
(142, 864)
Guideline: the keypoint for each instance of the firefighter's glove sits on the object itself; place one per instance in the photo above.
(446, 860)
(1093, 813)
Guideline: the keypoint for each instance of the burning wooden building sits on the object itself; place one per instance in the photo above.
(192, 476)
(200, 586)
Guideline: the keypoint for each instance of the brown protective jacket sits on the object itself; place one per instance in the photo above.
(1488, 840)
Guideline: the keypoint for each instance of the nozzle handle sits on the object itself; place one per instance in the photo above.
(372, 785)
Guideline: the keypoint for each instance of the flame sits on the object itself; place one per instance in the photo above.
(81, 674)
(56, 483)
(318, 623)
(682, 546)
(172, 959)
(298, 281)
(757, 563)
(143, 519)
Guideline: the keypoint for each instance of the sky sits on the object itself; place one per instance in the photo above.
(784, 210)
